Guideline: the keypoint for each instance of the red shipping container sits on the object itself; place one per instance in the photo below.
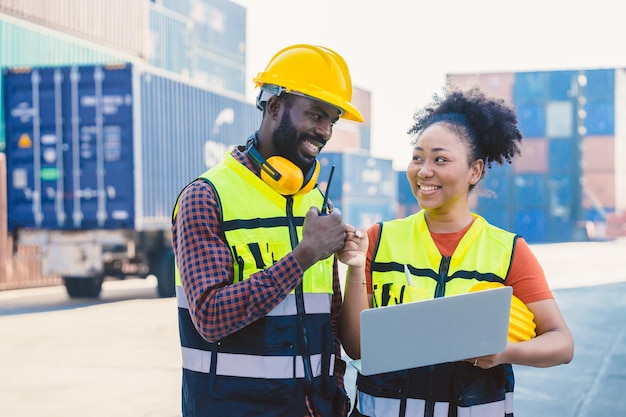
(534, 158)
(598, 153)
(598, 189)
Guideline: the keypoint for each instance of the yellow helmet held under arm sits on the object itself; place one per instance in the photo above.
(312, 71)
(521, 320)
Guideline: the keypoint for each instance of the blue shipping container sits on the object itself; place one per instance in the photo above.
(561, 84)
(600, 118)
(532, 119)
(530, 87)
(361, 212)
(358, 175)
(531, 224)
(530, 190)
(600, 85)
(563, 156)
(110, 147)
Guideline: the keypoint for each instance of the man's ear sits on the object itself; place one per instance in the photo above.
(273, 105)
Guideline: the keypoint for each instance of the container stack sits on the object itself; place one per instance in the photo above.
(571, 174)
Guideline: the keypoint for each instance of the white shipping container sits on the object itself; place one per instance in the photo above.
(120, 24)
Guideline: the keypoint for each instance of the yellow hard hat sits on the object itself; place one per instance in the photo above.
(521, 324)
(313, 71)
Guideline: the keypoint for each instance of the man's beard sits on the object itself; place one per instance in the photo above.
(286, 142)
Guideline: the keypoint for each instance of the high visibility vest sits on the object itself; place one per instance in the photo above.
(268, 367)
(407, 266)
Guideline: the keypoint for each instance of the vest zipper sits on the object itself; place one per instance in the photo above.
(444, 266)
(302, 334)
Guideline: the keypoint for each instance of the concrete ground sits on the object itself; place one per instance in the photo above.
(122, 358)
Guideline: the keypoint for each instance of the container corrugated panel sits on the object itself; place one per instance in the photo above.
(358, 175)
(173, 47)
(361, 212)
(116, 23)
(26, 46)
(218, 73)
(560, 229)
(136, 138)
(530, 224)
(560, 84)
(600, 118)
(530, 190)
(219, 26)
(600, 85)
(185, 130)
(563, 155)
(599, 153)
(170, 47)
(69, 148)
(530, 87)
(532, 119)
(534, 157)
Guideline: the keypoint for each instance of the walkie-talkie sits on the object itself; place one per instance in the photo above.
(324, 210)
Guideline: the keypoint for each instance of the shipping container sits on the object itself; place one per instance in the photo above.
(561, 85)
(405, 194)
(496, 85)
(202, 41)
(560, 122)
(530, 190)
(534, 157)
(600, 85)
(96, 156)
(599, 189)
(600, 118)
(530, 87)
(25, 45)
(599, 153)
(364, 212)
(530, 223)
(495, 189)
(532, 119)
(564, 156)
(119, 24)
(358, 175)
(497, 216)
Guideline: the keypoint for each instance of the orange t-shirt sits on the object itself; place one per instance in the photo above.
(526, 275)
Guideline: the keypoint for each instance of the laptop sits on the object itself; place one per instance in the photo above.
(430, 332)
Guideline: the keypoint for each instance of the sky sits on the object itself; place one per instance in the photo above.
(401, 50)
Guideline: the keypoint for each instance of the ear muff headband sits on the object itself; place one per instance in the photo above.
(282, 175)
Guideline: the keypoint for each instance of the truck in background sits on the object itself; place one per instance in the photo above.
(96, 157)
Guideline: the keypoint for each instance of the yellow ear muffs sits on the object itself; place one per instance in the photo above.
(282, 175)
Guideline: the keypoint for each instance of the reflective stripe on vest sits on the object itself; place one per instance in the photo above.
(313, 304)
(372, 406)
(413, 272)
(252, 366)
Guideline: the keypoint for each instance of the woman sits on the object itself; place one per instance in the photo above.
(443, 250)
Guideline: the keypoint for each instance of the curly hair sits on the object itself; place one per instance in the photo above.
(488, 125)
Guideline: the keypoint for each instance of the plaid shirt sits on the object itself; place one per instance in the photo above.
(205, 262)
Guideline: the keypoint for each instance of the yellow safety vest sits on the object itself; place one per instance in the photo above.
(404, 272)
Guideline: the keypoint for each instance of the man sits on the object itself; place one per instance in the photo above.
(258, 289)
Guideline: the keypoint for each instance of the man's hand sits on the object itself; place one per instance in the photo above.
(322, 236)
